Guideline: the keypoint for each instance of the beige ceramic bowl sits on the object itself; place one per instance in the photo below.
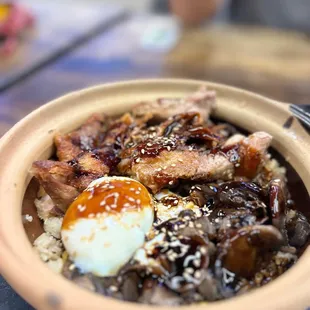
(31, 139)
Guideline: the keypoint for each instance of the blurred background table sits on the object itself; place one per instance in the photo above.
(271, 62)
(60, 26)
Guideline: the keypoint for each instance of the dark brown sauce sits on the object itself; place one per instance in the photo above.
(170, 201)
(202, 133)
(152, 148)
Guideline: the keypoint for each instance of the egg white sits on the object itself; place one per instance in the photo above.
(102, 245)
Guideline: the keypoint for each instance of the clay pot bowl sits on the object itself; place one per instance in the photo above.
(32, 139)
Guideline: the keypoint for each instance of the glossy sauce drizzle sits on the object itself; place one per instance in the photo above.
(110, 196)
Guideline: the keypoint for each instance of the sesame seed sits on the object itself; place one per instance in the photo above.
(189, 270)
(203, 250)
(142, 151)
(113, 288)
(111, 187)
(171, 258)
(173, 165)
(168, 148)
(28, 218)
(108, 208)
(131, 199)
(90, 215)
(102, 203)
(138, 201)
(149, 144)
(71, 267)
(138, 160)
(81, 208)
(198, 225)
(180, 160)
(196, 262)
(171, 183)
(137, 192)
(170, 252)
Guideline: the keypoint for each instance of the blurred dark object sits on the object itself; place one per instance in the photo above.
(9, 300)
(160, 6)
(286, 14)
(14, 21)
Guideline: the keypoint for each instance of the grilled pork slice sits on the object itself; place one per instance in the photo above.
(54, 177)
(62, 181)
(159, 165)
(202, 101)
(167, 167)
(72, 144)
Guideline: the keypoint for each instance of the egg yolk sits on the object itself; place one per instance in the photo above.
(107, 196)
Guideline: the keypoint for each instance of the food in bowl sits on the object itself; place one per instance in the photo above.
(165, 206)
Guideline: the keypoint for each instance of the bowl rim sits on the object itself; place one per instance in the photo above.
(16, 268)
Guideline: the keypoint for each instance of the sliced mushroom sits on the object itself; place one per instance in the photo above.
(298, 228)
(241, 251)
(130, 287)
(236, 199)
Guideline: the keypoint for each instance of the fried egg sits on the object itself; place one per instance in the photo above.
(106, 224)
